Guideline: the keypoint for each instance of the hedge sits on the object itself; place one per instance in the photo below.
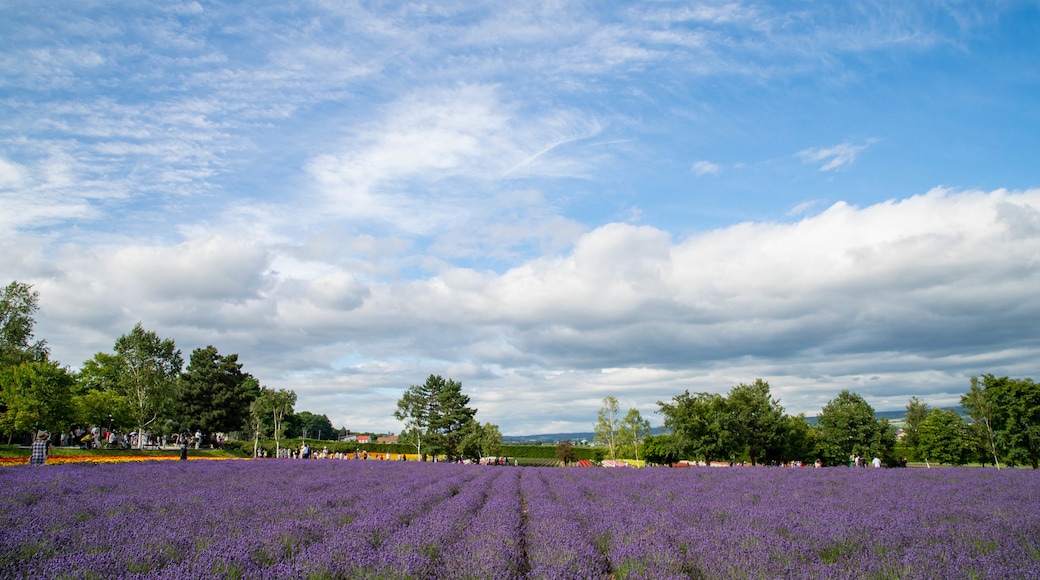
(531, 451)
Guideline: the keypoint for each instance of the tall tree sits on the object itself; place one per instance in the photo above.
(1022, 421)
(414, 409)
(18, 306)
(436, 414)
(632, 431)
(148, 371)
(1013, 409)
(702, 426)
(797, 441)
(480, 440)
(981, 408)
(943, 437)
(916, 412)
(214, 394)
(274, 405)
(607, 424)
(848, 426)
(36, 395)
(309, 425)
(451, 417)
(758, 418)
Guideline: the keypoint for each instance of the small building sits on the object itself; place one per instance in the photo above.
(364, 439)
(387, 439)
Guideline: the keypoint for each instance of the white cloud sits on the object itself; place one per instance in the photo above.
(706, 168)
(907, 296)
(433, 153)
(12, 175)
(835, 157)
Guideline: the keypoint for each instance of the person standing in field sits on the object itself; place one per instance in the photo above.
(40, 449)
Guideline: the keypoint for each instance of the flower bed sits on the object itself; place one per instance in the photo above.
(347, 519)
(98, 459)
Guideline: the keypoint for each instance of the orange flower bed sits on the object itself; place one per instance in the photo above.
(99, 459)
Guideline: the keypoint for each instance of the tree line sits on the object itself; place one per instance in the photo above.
(143, 385)
(1000, 425)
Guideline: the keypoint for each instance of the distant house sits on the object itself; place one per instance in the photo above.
(364, 439)
(387, 439)
(348, 438)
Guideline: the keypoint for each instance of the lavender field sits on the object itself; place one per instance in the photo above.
(355, 519)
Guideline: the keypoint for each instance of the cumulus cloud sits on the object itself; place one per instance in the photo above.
(912, 294)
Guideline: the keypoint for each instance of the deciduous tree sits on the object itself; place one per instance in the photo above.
(18, 306)
(916, 412)
(607, 424)
(274, 405)
(757, 418)
(847, 426)
(36, 395)
(1011, 408)
(480, 440)
(565, 452)
(943, 437)
(148, 370)
(633, 429)
(702, 426)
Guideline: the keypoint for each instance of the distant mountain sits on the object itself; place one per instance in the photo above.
(554, 438)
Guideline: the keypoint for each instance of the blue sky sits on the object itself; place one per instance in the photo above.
(551, 202)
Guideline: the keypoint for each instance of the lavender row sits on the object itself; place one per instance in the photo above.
(279, 519)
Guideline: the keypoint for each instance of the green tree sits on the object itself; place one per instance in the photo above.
(981, 406)
(916, 412)
(607, 425)
(100, 373)
(213, 393)
(435, 414)
(97, 407)
(1012, 408)
(659, 449)
(309, 425)
(847, 426)
(480, 440)
(18, 306)
(797, 441)
(702, 426)
(273, 405)
(943, 437)
(757, 419)
(414, 409)
(565, 452)
(148, 368)
(631, 432)
(36, 395)
(451, 418)
(1021, 413)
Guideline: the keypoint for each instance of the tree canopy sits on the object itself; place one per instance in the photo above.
(18, 306)
(848, 426)
(436, 415)
(213, 394)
